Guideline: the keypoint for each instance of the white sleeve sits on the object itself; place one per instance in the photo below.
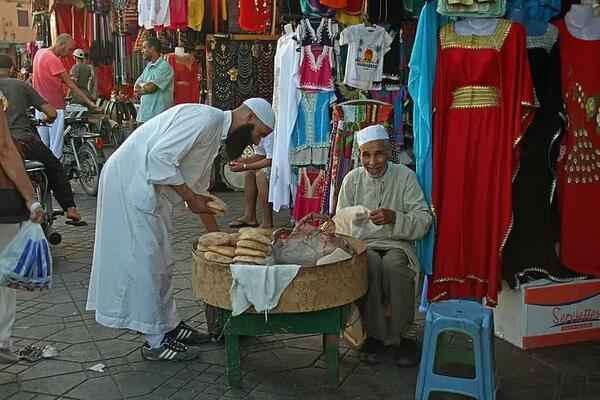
(347, 36)
(165, 155)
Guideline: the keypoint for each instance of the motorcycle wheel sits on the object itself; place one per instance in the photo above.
(89, 175)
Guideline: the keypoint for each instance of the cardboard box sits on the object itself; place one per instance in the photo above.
(544, 314)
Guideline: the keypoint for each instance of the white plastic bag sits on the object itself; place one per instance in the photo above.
(354, 222)
(26, 262)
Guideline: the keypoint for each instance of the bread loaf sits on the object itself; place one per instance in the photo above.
(249, 260)
(227, 251)
(214, 257)
(242, 251)
(255, 236)
(251, 244)
(214, 239)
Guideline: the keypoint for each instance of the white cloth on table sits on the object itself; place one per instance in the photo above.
(260, 286)
(286, 99)
(53, 134)
(8, 296)
(130, 284)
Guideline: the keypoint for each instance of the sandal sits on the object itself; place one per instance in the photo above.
(237, 224)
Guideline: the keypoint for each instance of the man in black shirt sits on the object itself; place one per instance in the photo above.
(21, 96)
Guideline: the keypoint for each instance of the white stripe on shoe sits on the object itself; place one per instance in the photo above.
(163, 354)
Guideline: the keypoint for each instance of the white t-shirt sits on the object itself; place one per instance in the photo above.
(366, 47)
(265, 147)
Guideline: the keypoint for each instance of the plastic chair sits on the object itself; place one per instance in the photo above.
(476, 322)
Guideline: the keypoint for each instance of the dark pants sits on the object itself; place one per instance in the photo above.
(34, 149)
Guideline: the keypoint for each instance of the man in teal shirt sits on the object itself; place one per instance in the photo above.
(155, 85)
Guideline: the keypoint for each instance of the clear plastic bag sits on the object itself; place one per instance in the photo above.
(26, 262)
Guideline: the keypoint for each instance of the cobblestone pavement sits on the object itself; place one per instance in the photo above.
(281, 367)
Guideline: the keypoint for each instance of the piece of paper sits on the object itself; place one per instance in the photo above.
(97, 368)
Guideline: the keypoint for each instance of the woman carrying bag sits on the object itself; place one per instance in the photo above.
(16, 206)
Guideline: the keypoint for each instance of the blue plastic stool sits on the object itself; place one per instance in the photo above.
(477, 322)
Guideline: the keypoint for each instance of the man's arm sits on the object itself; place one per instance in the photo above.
(48, 110)
(415, 222)
(161, 78)
(255, 162)
(197, 204)
(346, 196)
(71, 85)
(12, 163)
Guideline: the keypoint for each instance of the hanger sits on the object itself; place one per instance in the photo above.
(364, 101)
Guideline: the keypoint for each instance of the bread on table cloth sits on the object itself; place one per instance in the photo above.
(249, 260)
(267, 232)
(214, 257)
(252, 245)
(213, 239)
(257, 237)
(242, 251)
(227, 251)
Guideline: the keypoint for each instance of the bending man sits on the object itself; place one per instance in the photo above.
(165, 162)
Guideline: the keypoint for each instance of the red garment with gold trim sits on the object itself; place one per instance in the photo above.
(579, 164)
(483, 98)
(186, 84)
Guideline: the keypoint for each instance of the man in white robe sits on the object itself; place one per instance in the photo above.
(164, 163)
(398, 216)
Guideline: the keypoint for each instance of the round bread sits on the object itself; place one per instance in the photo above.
(249, 260)
(214, 239)
(268, 232)
(251, 244)
(257, 237)
(233, 239)
(214, 257)
(242, 251)
(226, 251)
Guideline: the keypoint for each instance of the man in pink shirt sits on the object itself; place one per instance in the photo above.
(49, 75)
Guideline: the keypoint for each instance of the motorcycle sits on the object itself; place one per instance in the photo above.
(83, 154)
(39, 180)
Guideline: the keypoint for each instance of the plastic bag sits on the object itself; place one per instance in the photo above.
(354, 222)
(26, 262)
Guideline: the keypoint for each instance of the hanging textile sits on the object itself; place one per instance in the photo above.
(420, 86)
(579, 167)
(347, 120)
(312, 8)
(255, 15)
(186, 85)
(483, 99)
(265, 53)
(310, 193)
(178, 14)
(196, 11)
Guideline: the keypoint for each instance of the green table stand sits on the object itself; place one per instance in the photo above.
(330, 323)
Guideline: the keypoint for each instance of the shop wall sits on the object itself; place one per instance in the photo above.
(15, 22)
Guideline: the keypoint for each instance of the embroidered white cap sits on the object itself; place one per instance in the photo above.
(262, 109)
(371, 133)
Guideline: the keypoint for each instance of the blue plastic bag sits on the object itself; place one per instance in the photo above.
(26, 262)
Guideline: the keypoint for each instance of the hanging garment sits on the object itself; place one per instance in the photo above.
(316, 69)
(313, 8)
(396, 98)
(153, 13)
(195, 14)
(579, 167)
(529, 252)
(366, 47)
(423, 62)
(178, 12)
(310, 193)
(483, 99)
(392, 62)
(323, 35)
(337, 4)
(472, 8)
(385, 11)
(255, 15)
(309, 144)
(347, 120)
(186, 88)
(286, 98)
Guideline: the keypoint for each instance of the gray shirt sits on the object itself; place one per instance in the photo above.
(21, 96)
(81, 74)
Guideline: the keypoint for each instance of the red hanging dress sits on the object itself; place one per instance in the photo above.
(310, 193)
(482, 100)
(579, 163)
(186, 87)
(256, 15)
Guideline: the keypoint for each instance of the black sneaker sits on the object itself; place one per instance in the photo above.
(171, 350)
(407, 354)
(188, 336)
(370, 351)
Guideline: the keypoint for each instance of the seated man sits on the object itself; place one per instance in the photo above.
(400, 215)
(258, 169)
(21, 96)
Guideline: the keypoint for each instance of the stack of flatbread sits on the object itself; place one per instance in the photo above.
(253, 246)
(218, 247)
(216, 205)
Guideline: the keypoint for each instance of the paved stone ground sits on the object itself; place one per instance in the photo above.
(282, 367)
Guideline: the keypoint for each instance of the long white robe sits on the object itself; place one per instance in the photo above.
(130, 286)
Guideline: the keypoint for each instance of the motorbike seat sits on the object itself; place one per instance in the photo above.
(75, 120)
(32, 164)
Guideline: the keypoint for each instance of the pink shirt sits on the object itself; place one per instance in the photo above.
(46, 80)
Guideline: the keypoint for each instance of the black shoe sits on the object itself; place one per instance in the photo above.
(407, 354)
(170, 350)
(370, 350)
(188, 336)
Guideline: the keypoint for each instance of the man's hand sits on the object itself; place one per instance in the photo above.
(37, 212)
(197, 204)
(138, 90)
(383, 216)
(237, 166)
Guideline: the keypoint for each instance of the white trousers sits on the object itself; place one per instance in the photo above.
(8, 296)
(52, 135)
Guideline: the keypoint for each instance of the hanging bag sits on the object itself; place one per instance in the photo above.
(25, 263)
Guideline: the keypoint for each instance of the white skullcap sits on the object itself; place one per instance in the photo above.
(262, 109)
(371, 133)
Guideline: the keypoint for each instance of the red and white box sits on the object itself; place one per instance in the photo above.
(543, 314)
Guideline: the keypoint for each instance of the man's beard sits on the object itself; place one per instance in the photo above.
(238, 140)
